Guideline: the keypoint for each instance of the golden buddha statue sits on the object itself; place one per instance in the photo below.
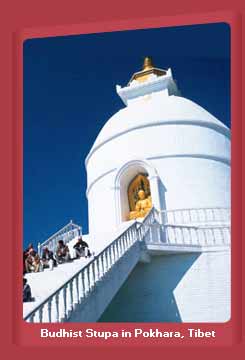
(142, 206)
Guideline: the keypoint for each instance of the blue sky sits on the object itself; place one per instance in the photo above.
(69, 94)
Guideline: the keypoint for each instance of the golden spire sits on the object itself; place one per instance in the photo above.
(147, 70)
(147, 63)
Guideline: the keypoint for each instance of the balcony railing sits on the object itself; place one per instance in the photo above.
(67, 233)
(214, 231)
(201, 226)
(190, 235)
(196, 216)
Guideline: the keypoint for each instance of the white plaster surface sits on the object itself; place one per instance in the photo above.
(187, 148)
(167, 108)
(175, 288)
(203, 294)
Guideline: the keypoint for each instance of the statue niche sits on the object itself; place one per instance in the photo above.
(139, 197)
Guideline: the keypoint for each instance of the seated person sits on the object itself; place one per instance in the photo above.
(48, 259)
(26, 253)
(82, 248)
(62, 252)
(37, 263)
(33, 263)
(26, 291)
(29, 249)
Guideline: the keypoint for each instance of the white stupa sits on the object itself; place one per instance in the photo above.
(184, 152)
(182, 149)
(165, 256)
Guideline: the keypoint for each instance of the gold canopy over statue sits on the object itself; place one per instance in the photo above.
(139, 197)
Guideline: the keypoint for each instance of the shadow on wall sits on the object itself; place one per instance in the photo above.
(162, 196)
(147, 295)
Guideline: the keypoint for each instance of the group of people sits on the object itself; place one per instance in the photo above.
(32, 262)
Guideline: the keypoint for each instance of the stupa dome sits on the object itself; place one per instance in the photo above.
(171, 109)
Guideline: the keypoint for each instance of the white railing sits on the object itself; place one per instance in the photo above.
(202, 227)
(67, 233)
(58, 306)
(191, 235)
(196, 216)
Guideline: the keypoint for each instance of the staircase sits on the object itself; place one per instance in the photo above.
(84, 288)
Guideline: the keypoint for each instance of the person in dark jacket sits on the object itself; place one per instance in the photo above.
(48, 258)
(82, 248)
(26, 291)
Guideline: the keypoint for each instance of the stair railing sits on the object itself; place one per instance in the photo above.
(67, 233)
(59, 305)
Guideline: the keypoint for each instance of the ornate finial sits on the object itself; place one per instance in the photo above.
(147, 63)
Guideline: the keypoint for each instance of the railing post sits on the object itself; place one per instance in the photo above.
(123, 243)
(97, 269)
(64, 303)
(39, 249)
(70, 298)
(88, 279)
(114, 252)
(198, 237)
(83, 284)
(56, 306)
(130, 238)
(182, 236)
(40, 313)
(76, 290)
(205, 237)
(173, 234)
(213, 235)
(31, 318)
(50, 309)
(106, 260)
(110, 256)
(93, 273)
(120, 246)
(117, 249)
(102, 264)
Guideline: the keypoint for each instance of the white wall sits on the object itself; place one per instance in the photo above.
(162, 140)
(183, 183)
(203, 294)
(175, 288)
(194, 182)
(191, 158)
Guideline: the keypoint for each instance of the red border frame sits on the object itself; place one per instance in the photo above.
(25, 334)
